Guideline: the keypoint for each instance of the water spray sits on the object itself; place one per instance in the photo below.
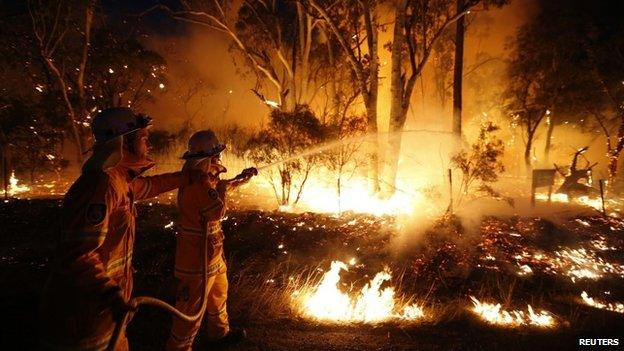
(336, 143)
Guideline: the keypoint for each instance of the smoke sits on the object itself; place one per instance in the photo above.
(208, 85)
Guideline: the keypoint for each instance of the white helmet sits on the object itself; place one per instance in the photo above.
(203, 144)
(115, 122)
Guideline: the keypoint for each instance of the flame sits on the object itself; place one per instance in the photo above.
(373, 304)
(15, 188)
(595, 203)
(493, 314)
(615, 307)
(575, 263)
(321, 197)
(271, 103)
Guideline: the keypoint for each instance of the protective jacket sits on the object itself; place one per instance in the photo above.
(201, 210)
(93, 258)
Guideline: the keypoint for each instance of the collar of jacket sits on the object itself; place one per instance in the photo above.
(135, 169)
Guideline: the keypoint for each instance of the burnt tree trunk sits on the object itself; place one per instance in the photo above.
(527, 151)
(5, 171)
(458, 72)
(614, 154)
(398, 110)
(548, 146)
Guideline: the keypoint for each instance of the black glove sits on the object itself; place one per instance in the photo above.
(120, 306)
(248, 173)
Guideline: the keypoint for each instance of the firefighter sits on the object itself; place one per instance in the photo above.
(202, 205)
(90, 283)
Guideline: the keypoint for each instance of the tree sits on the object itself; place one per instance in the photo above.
(280, 144)
(458, 71)
(35, 131)
(345, 129)
(552, 72)
(122, 72)
(355, 26)
(458, 62)
(88, 61)
(277, 40)
(55, 29)
(481, 166)
(418, 26)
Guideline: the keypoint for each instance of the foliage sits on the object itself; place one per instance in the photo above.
(162, 141)
(281, 143)
(62, 74)
(481, 166)
(31, 139)
(568, 59)
(348, 133)
(236, 138)
(122, 71)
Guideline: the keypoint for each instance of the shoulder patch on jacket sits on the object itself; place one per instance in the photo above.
(213, 194)
(96, 213)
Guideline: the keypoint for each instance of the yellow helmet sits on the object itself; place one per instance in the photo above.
(203, 144)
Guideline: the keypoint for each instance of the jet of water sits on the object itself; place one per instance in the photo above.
(337, 143)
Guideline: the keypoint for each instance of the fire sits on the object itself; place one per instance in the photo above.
(15, 188)
(356, 197)
(581, 263)
(595, 203)
(373, 304)
(494, 314)
(575, 263)
(615, 307)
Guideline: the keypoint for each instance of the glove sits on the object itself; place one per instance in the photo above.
(247, 173)
(120, 306)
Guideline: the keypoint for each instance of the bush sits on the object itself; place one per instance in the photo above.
(282, 144)
(482, 165)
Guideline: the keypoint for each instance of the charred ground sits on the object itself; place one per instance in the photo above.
(271, 252)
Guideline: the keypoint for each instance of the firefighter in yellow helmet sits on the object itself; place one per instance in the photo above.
(202, 205)
(90, 282)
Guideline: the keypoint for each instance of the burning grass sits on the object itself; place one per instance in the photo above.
(327, 302)
(282, 278)
(494, 314)
(609, 306)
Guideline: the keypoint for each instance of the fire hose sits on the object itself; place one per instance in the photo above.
(152, 301)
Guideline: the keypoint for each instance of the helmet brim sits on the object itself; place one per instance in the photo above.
(142, 121)
(200, 155)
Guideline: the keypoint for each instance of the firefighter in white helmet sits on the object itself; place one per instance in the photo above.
(90, 283)
(202, 205)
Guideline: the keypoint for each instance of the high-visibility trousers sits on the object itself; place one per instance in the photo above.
(188, 301)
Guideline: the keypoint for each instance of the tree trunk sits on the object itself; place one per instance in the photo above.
(398, 110)
(339, 189)
(549, 133)
(5, 171)
(458, 72)
(527, 152)
(333, 96)
(371, 128)
(370, 22)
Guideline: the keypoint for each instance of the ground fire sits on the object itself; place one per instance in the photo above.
(326, 301)
(311, 174)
